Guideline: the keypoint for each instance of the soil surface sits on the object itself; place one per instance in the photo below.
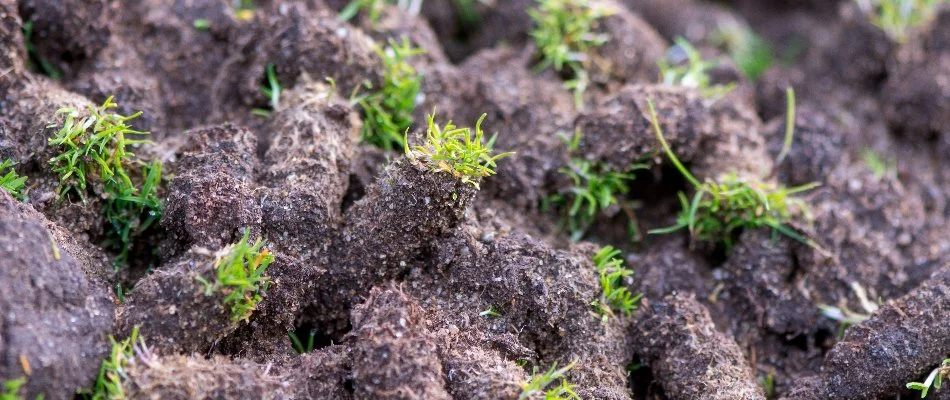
(409, 283)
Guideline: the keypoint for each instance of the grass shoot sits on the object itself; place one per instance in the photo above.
(614, 298)
(565, 35)
(537, 386)
(456, 151)
(689, 69)
(387, 112)
(11, 182)
(720, 209)
(934, 379)
(271, 89)
(898, 17)
(11, 389)
(35, 62)
(240, 276)
(112, 373)
(749, 51)
(299, 346)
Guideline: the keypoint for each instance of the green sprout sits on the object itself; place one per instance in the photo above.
(452, 149)
(299, 346)
(93, 148)
(564, 34)
(491, 312)
(722, 208)
(202, 24)
(614, 295)
(11, 388)
(768, 385)
(749, 51)
(240, 271)
(693, 74)
(271, 90)
(934, 379)
(11, 182)
(595, 188)
(35, 60)
(537, 386)
(845, 316)
(388, 111)
(113, 371)
(897, 17)
(879, 166)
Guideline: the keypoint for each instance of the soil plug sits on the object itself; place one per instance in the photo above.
(395, 356)
(54, 316)
(900, 343)
(190, 304)
(688, 356)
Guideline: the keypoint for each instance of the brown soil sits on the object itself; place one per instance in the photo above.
(390, 265)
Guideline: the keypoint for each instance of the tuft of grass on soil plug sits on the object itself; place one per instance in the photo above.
(387, 112)
(298, 345)
(271, 90)
(11, 388)
(112, 373)
(456, 151)
(934, 379)
(898, 17)
(614, 297)
(565, 35)
(595, 188)
(11, 182)
(240, 276)
(689, 69)
(35, 62)
(93, 150)
(537, 386)
(720, 209)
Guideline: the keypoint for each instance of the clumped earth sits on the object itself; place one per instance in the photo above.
(389, 267)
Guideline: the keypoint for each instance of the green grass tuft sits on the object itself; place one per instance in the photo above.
(387, 112)
(240, 276)
(595, 188)
(693, 74)
(722, 208)
(537, 386)
(11, 182)
(934, 379)
(614, 297)
(11, 389)
(565, 35)
(113, 372)
(93, 149)
(454, 150)
(898, 17)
